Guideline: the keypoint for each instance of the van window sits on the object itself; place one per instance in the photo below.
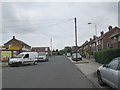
(26, 56)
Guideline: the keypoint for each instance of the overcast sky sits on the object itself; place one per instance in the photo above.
(36, 22)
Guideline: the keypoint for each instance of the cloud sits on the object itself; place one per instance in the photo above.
(42, 20)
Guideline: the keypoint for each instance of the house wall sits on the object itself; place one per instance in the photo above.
(104, 41)
(15, 44)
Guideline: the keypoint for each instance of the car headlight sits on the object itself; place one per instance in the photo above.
(44, 57)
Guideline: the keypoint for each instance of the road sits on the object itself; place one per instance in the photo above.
(59, 72)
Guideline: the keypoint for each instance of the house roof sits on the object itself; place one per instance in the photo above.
(117, 32)
(19, 41)
(114, 35)
(39, 48)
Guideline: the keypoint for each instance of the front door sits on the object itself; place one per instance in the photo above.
(26, 59)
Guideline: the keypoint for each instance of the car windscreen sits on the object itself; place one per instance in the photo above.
(77, 54)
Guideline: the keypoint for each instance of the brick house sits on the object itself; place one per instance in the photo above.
(84, 48)
(110, 39)
(107, 40)
(115, 40)
(89, 47)
(15, 44)
(13, 47)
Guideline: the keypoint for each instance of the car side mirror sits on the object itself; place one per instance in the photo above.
(105, 65)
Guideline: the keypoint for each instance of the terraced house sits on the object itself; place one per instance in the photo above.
(110, 39)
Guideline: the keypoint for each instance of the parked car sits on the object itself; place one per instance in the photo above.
(24, 58)
(78, 58)
(68, 54)
(110, 73)
(43, 56)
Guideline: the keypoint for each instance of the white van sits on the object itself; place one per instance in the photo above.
(24, 58)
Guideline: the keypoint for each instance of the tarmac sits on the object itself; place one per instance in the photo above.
(89, 67)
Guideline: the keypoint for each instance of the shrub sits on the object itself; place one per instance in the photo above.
(106, 56)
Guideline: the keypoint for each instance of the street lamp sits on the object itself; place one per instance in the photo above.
(95, 34)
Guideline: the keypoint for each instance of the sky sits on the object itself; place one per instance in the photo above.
(36, 23)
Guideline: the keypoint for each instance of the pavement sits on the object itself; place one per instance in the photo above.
(3, 64)
(89, 67)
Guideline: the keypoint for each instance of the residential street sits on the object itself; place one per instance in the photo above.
(59, 72)
(66, 44)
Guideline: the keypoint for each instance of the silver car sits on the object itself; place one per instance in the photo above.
(110, 73)
(42, 56)
(78, 58)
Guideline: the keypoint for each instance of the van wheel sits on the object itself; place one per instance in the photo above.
(35, 62)
(100, 81)
(19, 64)
(11, 65)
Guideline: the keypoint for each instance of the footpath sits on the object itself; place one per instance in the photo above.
(89, 67)
(3, 64)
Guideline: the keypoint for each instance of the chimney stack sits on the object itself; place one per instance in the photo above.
(13, 37)
(110, 28)
(102, 33)
(94, 37)
(90, 39)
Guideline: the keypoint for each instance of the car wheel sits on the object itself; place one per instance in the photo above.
(35, 62)
(100, 81)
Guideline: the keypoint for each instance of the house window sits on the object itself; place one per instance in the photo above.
(99, 42)
(24, 46)
(86, 46)
(93, 45)
(109, 45)
(90, 45)
(118, 37)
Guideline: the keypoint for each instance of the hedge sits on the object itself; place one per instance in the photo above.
(105, 56)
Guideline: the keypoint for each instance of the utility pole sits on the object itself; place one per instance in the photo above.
(76, 48)
(51, 45)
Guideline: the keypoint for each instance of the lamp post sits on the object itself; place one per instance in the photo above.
(95, 34)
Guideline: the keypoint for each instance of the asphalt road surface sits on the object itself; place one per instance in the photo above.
(59, 72)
